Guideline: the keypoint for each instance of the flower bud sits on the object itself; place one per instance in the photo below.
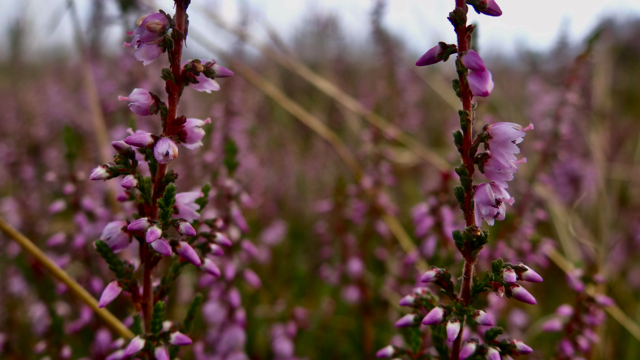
(249, 248)
(161, 353)
(216, 250)
(136, 344)
(430, 57)
(453, 329)
(109, 294)
(162, 247)
(509, 275)
(482, 318)
(184, 228)
(434, 317)
(522, 348)
(492, 353)
(180, 339)
(140, 101)
(211, 268)
(553, 325)
(386, 352)
(252, 278)
(473, 61)
(186, 251)
(408, 321)
(564, 310)
(566, 348)
(141, 224)
(129, 182)
(468, 349)
(165, 150)
(140, 139)
(220, 239)
(481, 83)
(153, 233)
(120, 146)
(408, 300)
(521, 294)
(431, 275)
(100, 173)
(530, 275)
(604, 300)
(221, 72)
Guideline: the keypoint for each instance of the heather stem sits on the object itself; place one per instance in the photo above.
(174, 91)
(467, 159)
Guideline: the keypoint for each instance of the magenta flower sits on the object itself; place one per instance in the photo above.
(141, 139)
(386, 352)
(489, 200)
(408, 300)
(109, 294)
(216, 250)
(153, 233)
(553, 325)
(129, 182)
(180, 339)
(509, 275)
(430, 276)
(408, 321)
(136, 344)
(147, 37)
(529, 275)
(184, 228)
(434, 317)
(482, 318)
(120, 146)
(220, 71)
(100, 173)
(210, 267)
(220, 239)
(522, 348)
(252, 278)
(186, 252)
(492, 353)
(194, 132)
(468, 349)
(114, 235)
(161, 353)
(165, 150)
(521, 294)
(186, 207)
(161, 246)
(430, 57)
(480, 79)
(140, 101)
(141, 224)
(487, 7)
(453, 329)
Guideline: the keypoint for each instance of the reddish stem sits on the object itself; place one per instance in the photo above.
(174, 91)
(467, 159)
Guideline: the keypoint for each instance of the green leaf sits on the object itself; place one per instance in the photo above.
(156, 318)
(119, 268)
(230, 153)
(136, 327)
(203, 200)
(166, 204)
(191, 313)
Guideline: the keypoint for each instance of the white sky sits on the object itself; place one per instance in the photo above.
(534, 24)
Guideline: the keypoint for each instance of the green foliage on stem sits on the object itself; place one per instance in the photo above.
(491, 334)
(439, 337)
(191, 313)
(230, 153)
(166, 204)
(136, 327)
(157, 316)
(167, 281)
(203, 200)
(151, 160)
(414, 339)
(119, 268)
(480, 286)
(144, 187)
(72, 142)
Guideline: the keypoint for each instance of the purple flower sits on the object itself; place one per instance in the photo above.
(552, 325)
(100, 173)
(180, 339)
(386, 352)
(161, 353)
(522, 348)
(165, 150)
(431, 275)
(147, 37)
(120, 146)
(408, 300)
(141, 224)
(162, 246)
(186, 207)
(210, 267)
(482, 318)
(529, 275)
(129, 182)
(487, 7)
(434, 317)
(194, 132)
(136, 344)
(186, 252)
(565, 347)
(220, 239)
(220, 71)
(604, 300)
(468, 349)
(205, 84)
(509, 275)
(430, 57)
(489, 200)
(141, 139)
(453, 329)
(480, 79)
(114, 235)
(252, 278)
(216, 250)
(153, 233)
(408, 321)
(492, 353)
(184, 228)
(521, 294)
(140, 101)
(109, 294)
(249, 248)
(564, 310)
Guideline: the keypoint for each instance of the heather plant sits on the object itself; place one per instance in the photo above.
(484, 202)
